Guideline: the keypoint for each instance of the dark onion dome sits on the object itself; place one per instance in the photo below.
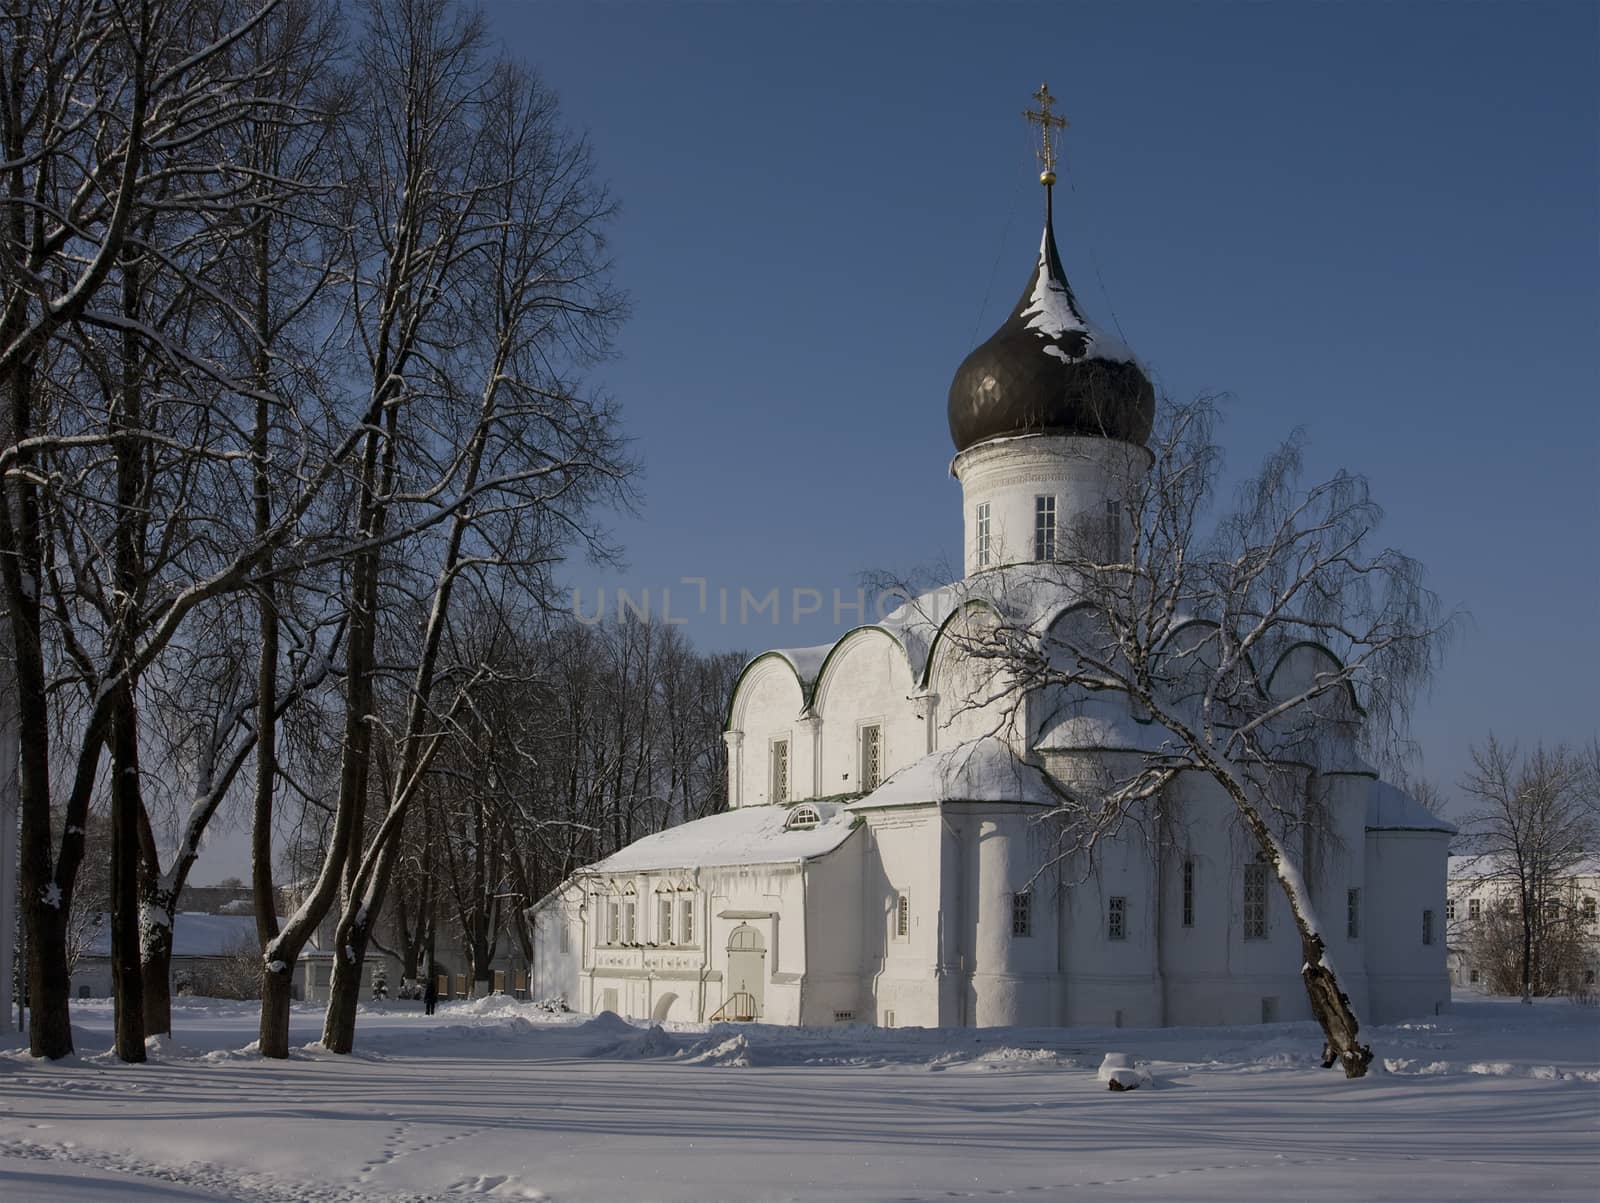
(1049, 370)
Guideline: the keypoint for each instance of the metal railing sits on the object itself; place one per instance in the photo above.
(739, 1007)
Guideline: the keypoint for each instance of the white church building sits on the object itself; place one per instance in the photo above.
(882, 859)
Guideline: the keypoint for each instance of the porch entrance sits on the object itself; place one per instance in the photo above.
(747, 969)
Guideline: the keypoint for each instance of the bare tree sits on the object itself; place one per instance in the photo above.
(480, 291)
(106, 115)
(1562, 946)
(1537, 818)
(1182, 624)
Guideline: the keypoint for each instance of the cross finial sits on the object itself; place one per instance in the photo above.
(1048, 123)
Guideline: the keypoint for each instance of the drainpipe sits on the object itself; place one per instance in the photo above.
(585, 961)
(1162, 918)
(702, 908)
(947, 967)
(805, 935)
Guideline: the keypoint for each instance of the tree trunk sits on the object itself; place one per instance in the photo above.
(277, 992)
(44, 902)
(159, 910)
(1527, 950)
(156, 970)
(344, 991)
(127, 807)
(127, 977)
(1331, 1006)
(351, 939)
(49, 981)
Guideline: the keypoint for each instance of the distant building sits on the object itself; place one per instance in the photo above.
(1567, 914)
(200, 943)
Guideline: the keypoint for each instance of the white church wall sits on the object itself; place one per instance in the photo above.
(770, 901)
(767, 707)
(1010, 975)
(833, 933)
(1111, 978)
(1264, 969)
(972, 698)
(865, 681)
(901, 860)
(1010, 474)
(1343, 868)
(1197, 941)
(1406, 974)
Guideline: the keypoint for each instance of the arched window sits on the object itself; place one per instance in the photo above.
(745, 938)
(802, 818)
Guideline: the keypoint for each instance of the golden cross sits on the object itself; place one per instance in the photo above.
(1048, 123)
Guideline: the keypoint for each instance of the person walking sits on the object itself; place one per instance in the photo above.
(430, 991)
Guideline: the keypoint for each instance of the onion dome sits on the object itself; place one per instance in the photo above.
(1048, 369)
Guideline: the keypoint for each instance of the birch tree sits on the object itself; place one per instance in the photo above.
(1180, 620)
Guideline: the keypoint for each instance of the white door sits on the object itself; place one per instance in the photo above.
(747, 966)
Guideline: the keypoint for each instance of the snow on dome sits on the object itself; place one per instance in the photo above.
(980, 770)
(751, 835)
(1390, 808)
(1049, 370)
(1051, 312)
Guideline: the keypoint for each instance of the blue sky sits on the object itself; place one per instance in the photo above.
(1378, 223)
(1374, 222)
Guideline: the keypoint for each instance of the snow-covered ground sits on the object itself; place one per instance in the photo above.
(496, 1100)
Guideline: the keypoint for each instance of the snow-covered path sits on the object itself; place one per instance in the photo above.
(496, 1100)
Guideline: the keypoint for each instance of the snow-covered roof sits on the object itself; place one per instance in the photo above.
(807, 661)
(1027, 594)
(981, 770)
(1487, 865)
(193, 935)
(1390, 808)
(751, 835)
